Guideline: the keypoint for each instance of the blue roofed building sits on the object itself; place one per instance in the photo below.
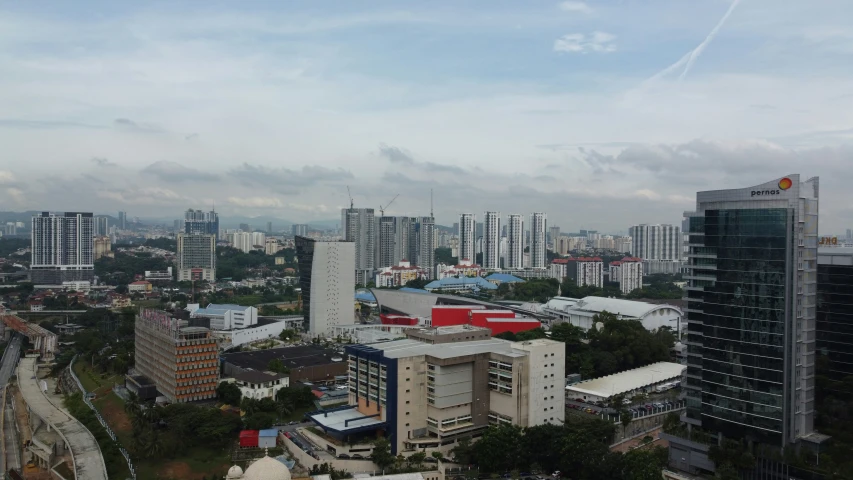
(225, 316)
(499, 278)
(454, 284)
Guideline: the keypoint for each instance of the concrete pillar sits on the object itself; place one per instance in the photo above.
(60, 449)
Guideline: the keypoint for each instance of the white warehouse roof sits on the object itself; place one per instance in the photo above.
(629, 380)
(617, 306)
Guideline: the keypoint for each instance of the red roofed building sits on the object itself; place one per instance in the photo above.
(399, 275)
(465, 268)
(628, 272)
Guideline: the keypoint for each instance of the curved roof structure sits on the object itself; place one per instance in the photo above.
(616, 306)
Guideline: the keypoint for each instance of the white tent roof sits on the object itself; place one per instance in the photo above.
(629, 380)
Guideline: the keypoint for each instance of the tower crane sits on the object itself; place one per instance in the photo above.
(382, 209)
(351, 203)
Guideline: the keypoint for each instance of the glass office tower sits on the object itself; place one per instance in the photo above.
(835, 312)
(751, 272)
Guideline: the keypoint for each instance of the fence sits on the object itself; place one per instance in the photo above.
(100, 418)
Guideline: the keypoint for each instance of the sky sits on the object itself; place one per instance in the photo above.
(601, 113)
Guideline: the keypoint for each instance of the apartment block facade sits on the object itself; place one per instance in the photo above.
(196, 257)
(183, 362)
(62, 248)
(432, 395)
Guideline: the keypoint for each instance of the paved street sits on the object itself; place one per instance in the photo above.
(12, 457)
(10, 359)
(88, 460)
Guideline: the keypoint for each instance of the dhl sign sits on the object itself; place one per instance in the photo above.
(828, 241)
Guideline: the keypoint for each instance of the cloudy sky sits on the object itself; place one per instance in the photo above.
(601, 113)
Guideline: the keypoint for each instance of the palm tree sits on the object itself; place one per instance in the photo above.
(131, 406)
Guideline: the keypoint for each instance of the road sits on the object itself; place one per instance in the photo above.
(12, 457)
(88, 460)
(10, 359)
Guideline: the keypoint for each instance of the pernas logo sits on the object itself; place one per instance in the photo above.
(765, 192)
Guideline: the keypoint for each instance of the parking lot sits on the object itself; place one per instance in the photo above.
(639, 410)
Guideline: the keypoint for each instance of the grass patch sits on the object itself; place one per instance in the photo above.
(92, 380)
(298, 414)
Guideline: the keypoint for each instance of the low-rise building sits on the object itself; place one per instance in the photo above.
(399, 275)
(465, 268)
(456, 284)
(429, 396)
(306, 363)
(627, 383)
(258, 384)
(140, 286)
(225, 316)
(159, 275)
(581, 312)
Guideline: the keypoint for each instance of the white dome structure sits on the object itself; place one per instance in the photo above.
(267, 469)
(234, 472)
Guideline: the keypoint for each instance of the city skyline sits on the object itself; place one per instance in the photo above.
(601, 105)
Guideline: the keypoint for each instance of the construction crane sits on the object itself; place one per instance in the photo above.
(382, 209)
(351, 203)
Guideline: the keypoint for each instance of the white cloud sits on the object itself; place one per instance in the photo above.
(17, 195)
(301, 207)
(598, 42)
(575, 6)
(6, 177)
(256, 202)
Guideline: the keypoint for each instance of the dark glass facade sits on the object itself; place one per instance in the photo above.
(736, 325)
(835, 315)
(305, 260)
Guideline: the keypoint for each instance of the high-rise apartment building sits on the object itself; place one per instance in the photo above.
(359, 227)
(198, 222)
(327, 283)
(299, 230)
(269, 227)
(196, 257)
(585, 271)
(538, 227)
(241, 241)
(656, 242)
(751, 273)
(628, 272)
(102, 227)
(553, 235)
(491, 240)
(182, 361)
(62, 248)
(422, 241)
(101, 247)
(467, 237)
(394, 243)
(514, 241)
(122, 220)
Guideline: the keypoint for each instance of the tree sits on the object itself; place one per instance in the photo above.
(438, 456)
(288, 335)
(229, 393)
(276, 365)
(497, 450)
(121, 288)
(463, 452)
(260, 420)
(417, 458)
(381, 455)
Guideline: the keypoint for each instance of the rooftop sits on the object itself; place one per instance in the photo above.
(344, 419)
(293, 357)
(255, 376)
(478, 282)
(414, 348)
(625, 308)
(219, 309)
(504, 278)
(629, 380)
